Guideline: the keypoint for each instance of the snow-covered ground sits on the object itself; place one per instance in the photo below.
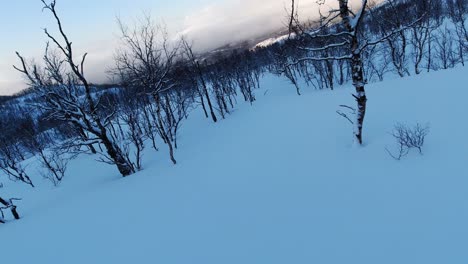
(276, 182)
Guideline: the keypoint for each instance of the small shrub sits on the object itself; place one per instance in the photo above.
(408, 138)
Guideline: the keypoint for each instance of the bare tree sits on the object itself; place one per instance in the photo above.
(132, 117)
(408, 138)
(394, 16)
(348, 38)
(444, 50)
(149, 122)
(421, 33)
(68, 96)
(11, 162)
(202, 83)
(144, 63)
(458, 12)
(348, 41)
(51, 156)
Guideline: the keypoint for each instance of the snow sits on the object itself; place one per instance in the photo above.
(276, 182)
(272, 41)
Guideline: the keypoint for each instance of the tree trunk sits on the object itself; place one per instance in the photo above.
(202, 102)
(205, 90)
(207, 95)
(12, 207)
(357, 71)
(116, 155)
(360, 96)
(162, 130)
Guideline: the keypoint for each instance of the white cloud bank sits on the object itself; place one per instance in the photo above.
(234, 21)
(98, 62)
(237, 20)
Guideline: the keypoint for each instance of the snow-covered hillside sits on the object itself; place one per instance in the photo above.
(276, 182)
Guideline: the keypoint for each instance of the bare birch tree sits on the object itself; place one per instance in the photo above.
(145, 63)
(67, 93)
(345, 41)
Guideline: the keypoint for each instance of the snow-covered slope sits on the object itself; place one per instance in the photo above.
(277, 182)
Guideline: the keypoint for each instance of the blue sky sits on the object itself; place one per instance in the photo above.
(86, 21)
(91, 25)
(22, 20)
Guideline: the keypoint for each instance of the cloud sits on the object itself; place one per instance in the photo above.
(219, 24)
(238, 20)
(100, 59)
(10, 80)
(98, 62)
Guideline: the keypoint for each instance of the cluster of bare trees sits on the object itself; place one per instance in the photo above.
(398, 37)
(160, 82)
(436, 41)
(347, 42)
(433, 38)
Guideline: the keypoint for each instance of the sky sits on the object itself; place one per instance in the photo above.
(91, 26)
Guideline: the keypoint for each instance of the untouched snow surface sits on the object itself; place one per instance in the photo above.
(276, 182)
